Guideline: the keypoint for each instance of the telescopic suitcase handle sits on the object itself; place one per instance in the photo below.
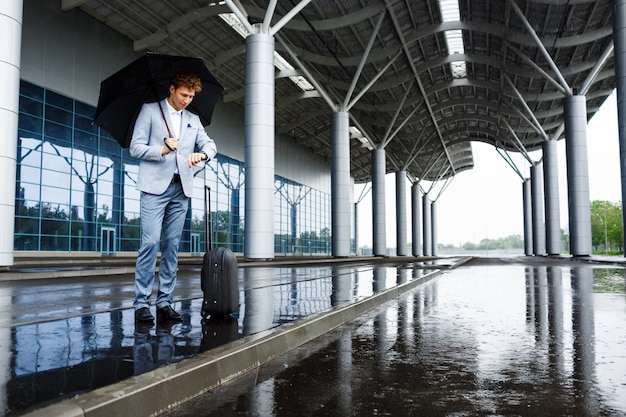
(209, 225)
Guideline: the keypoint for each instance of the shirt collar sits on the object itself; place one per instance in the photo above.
(172, 110)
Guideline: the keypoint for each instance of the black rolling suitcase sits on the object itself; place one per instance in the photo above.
(218, 277)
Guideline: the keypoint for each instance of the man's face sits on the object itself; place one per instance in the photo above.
(180, 97)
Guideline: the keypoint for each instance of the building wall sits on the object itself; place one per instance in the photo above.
(65, 55)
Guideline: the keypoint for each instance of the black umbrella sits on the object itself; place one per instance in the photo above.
(146, 80)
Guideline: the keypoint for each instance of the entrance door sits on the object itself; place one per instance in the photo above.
(195, 243)
(107, 240)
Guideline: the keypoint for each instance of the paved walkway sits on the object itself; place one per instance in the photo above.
(73, 337)
(499, 337)
(73, 349)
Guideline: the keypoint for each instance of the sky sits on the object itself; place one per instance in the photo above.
(486, 201)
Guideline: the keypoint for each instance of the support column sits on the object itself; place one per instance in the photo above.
(259, 147)
(427, 225)
(379, 239)
(619, 53)
(10, 54)
(401, 218)
(416, 219)
(528, 217)
(577, 175)
(433, 219)
(356, 228)
(551, 191)
(539, 230)
(341, 188)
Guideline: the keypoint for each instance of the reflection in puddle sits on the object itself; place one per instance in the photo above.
(609, 280)
(484, 340)
(68, 353)
(511, 339)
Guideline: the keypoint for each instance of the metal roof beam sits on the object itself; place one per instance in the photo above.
(541, 47)
(413, 154)
(526, 106)
(366, 53)
(241, 14)
(537, 68)
(286, 18)
(444, 186)
(510, 162)
(591, 78)
(520, 146)
(331, 103)
(407, 91)
(410, 59)
(404, 122)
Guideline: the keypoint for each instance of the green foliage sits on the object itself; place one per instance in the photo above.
(509, 242)
(606, 227)
(609, 281)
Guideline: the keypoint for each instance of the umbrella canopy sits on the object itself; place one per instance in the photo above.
(146, 80)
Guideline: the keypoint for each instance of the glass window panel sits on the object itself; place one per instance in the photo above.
(29, 191)
(85, 110)
(59, 100)
(57, 180)
(54, 114)
(29, 173)
(57, 133)
(55, 226)
(56, 196)
(85, 124)
(55, 157)
(54, 243)
(85, 141)
(30, 125)
(30, 146)
(105, 206)
(24, 241)
(30, 107)
(31, 90)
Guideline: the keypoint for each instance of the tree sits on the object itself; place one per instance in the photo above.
(606, 226)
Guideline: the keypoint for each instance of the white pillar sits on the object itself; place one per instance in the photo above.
(341, 188)
(10, 55)
(401, 236)
(379, 229)
(433, 231)
(427, 226)
(416, 217)
(577, 175)
(259, 147)
(528, 217)
(551, 192)
(539, 228)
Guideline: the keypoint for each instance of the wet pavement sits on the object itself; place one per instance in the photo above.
(67, 336)
(493, 337)
(510, 336)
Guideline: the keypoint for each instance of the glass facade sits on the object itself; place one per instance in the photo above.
(75, 190)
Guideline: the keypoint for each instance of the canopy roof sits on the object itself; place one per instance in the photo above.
(420, 79)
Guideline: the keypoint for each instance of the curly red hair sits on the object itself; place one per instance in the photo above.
(185, 78)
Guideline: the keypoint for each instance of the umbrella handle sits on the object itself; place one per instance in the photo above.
(165, 120)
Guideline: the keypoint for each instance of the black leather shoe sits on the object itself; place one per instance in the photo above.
(143, 314)
(167, 313)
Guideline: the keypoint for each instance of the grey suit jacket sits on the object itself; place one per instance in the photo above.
(156, 171)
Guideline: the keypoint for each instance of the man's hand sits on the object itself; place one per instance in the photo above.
(171, 144)
(195, 158)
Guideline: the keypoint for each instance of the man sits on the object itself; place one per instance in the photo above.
(169, 141)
